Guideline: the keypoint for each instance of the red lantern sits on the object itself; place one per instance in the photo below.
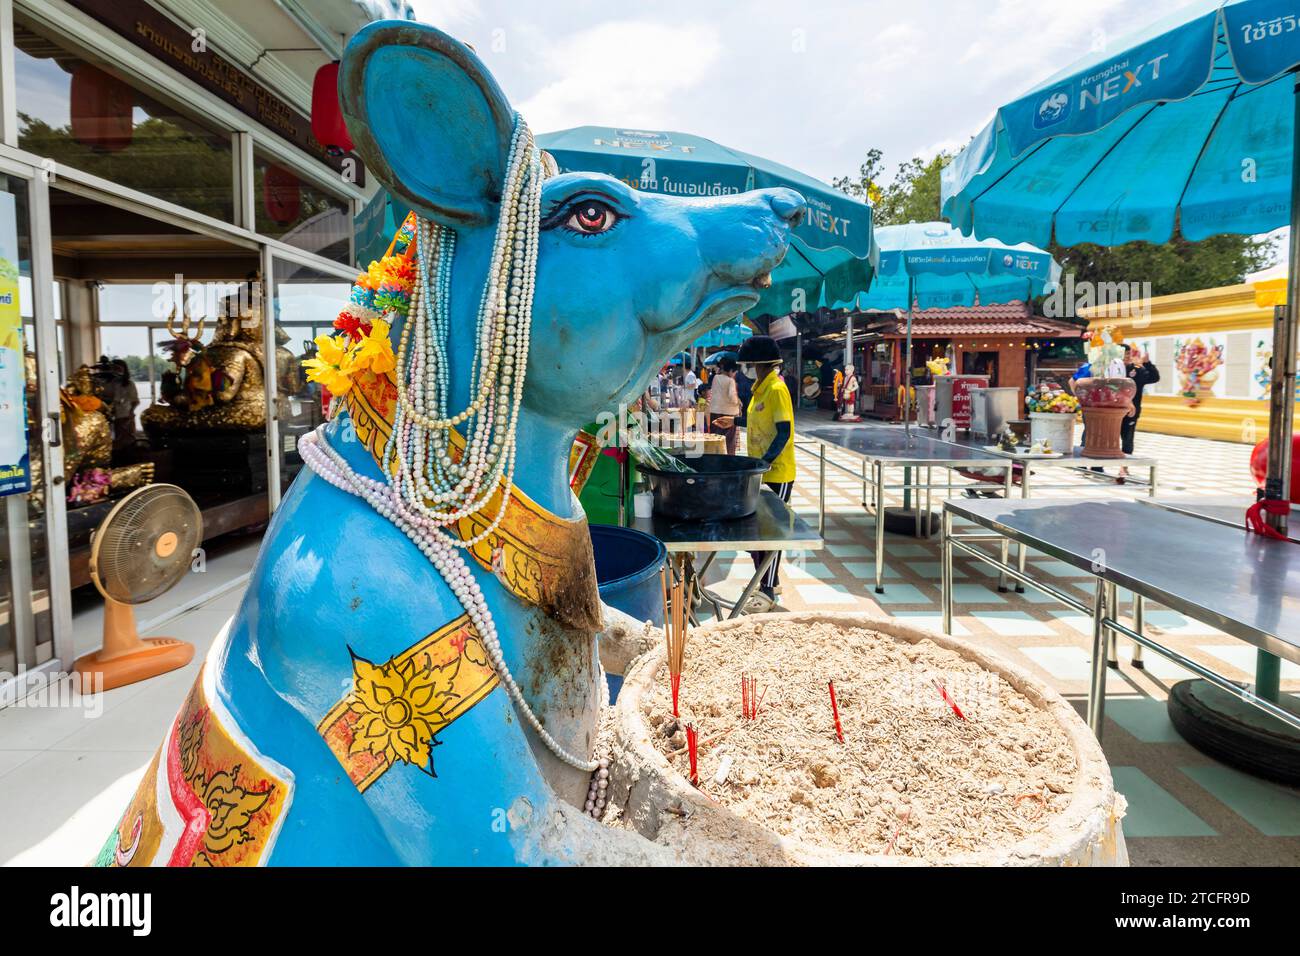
(327, 123)
(280, 195)
(1259, 465)
(101, 109)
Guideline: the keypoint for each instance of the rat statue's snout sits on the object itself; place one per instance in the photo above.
(745, 237)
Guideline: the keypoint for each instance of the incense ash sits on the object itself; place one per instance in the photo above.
(939, 756)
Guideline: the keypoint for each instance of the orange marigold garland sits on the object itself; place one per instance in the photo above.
(378, 294)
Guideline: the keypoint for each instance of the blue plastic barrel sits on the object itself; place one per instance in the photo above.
(627, 573)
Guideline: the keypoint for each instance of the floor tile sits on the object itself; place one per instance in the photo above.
(1153, 811)
(902, 594)
(976, 594)
(1271, 809)
(1147, 720)
(931, 622)
(1013, 623)
(866, 570)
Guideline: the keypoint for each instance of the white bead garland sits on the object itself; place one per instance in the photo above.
(426, 490)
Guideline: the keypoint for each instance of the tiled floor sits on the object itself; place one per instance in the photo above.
(65, 777)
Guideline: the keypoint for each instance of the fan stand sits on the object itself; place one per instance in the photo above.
(126, 657)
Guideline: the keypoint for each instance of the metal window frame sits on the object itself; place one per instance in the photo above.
(270, 256)
(47, 370)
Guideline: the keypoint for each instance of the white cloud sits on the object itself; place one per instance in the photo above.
(908, 79)
(622, 73)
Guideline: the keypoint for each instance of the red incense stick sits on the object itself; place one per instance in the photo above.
(744, 696)
(693, 752)
(835, 709)
(951, 703)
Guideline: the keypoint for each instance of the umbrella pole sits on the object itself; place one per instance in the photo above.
(906, 376)
(1277, 484)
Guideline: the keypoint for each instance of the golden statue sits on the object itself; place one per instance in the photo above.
(218, 386)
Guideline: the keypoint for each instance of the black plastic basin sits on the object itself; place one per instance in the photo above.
(720, 488)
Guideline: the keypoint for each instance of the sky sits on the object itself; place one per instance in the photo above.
(813, 85)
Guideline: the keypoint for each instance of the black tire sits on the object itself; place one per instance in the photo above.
(1273, 755)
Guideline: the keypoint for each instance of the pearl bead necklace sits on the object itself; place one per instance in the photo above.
(427, 489)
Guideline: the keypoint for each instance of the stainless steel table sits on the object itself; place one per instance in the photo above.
(773, 528)
(880, 447)
(1239, 583)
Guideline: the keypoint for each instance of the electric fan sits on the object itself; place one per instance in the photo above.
(139, 552)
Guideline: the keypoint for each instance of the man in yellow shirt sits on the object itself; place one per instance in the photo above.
(769, 431)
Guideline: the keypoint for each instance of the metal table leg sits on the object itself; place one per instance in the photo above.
(864, 483)
(1022, 550)
(1139, 617)
(1112, 602)
(929, 497)
(945, 526)
(821, 490)
(880, 526)
(739, 607)
(1097, 688)
(1005, 545)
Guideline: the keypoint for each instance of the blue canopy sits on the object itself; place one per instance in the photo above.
(730, 333)
(1189, 123)
(948, 269)
(831, 255)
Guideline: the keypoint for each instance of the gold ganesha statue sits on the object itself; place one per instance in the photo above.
(231, 396)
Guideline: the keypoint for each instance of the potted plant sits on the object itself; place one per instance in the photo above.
(1052, 412)
(1107, 398)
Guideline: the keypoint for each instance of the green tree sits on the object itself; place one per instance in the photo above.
(1171, 267)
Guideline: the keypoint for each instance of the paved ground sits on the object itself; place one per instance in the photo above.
(64, 778)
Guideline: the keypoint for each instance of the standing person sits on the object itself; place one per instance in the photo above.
(1143, 373)
(689, 378)
(769, 432)
(724, 403)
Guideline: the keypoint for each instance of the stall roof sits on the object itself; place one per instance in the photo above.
(1011, 318)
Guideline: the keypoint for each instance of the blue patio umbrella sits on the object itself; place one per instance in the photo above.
(1188, 125)
(729, 333)
(930, 265)
(831, 256)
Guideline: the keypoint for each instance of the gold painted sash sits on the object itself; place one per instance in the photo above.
(393, 710)
(541, 558)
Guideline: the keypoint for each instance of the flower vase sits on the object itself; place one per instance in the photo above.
(1106, 403)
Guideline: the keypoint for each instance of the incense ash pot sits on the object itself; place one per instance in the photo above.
(1106, 402)
(1069, 815)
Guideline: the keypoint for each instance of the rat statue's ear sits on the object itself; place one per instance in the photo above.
(428, 120)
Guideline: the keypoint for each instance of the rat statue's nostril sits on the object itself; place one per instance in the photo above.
(788, 204)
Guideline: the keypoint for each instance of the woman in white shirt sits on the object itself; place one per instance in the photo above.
(724, 403)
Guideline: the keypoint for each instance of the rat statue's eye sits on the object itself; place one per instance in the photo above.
(591, 217)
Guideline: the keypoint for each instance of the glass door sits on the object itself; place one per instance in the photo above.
(304, 299)
(35, 632)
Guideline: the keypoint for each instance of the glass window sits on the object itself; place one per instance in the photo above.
(306, 303)
(93, 118)
(294, 211)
